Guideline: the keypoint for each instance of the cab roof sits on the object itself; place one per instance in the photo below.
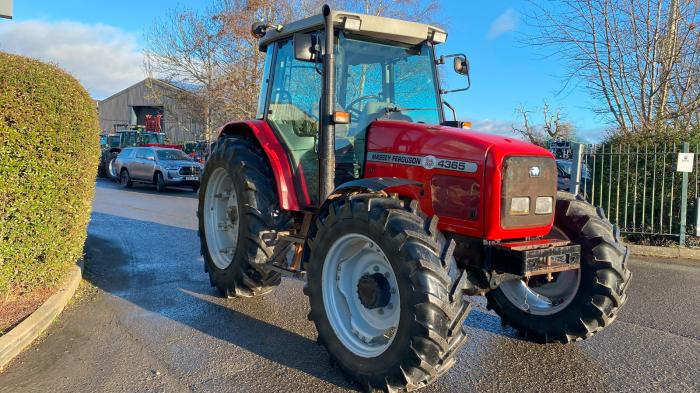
(377, 27)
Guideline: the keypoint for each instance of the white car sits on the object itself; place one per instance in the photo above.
(159, 166)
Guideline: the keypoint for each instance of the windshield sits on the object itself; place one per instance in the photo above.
(150, 137)
(382, 80)
(172, 155)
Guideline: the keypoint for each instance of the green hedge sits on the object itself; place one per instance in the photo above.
(49, 147)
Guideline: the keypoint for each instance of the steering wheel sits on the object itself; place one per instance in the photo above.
(355, 112)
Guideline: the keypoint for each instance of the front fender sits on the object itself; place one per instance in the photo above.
(374, 184)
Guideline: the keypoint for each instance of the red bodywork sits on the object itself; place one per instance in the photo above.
(483, 186)
(487, 151)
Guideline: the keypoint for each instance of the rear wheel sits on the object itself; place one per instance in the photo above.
(102, 166)
(237, 205)
(111, 168)
(578, 303)
(125, 180)
(385, 292)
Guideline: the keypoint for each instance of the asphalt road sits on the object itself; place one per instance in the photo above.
(154, 324)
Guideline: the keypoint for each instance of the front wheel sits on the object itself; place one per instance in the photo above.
(574, 304)
(160, 182)
(384, 292)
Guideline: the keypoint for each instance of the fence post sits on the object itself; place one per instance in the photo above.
(684, 201)
(576, 160)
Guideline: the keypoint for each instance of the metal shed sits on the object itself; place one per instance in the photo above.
(151, 96)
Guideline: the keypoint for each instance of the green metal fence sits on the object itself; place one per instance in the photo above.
(639, 188)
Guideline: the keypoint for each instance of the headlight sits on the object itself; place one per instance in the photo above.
(543, 205)
(172, 169)
(520, 206)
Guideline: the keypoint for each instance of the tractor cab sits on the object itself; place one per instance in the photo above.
(387, 77)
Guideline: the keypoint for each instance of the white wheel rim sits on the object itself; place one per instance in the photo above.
(546, 299)
(221, 218)
(112, 168)
(366, 332)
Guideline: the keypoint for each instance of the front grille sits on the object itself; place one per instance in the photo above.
(521, 179)
(190, 171)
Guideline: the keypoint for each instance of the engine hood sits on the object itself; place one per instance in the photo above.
(179, 163)
(461, 173)
(444, 142)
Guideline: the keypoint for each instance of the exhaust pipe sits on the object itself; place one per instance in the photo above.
(326, 150)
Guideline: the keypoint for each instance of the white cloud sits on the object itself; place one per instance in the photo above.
(105, 59)
(498, 127)
(506, 22)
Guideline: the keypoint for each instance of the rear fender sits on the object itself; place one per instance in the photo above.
(276, 157)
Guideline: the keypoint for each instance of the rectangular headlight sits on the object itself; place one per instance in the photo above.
(544, 205)
(520, 206)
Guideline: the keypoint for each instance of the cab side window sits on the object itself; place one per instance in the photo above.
(295, 94)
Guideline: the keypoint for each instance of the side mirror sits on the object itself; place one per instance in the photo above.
(306, 47)
(258, 29)
(150, 158)
(461, 65)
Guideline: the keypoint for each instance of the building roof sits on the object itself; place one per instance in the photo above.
(378, 27)
(160, 82)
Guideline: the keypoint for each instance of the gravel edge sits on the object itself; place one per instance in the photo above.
(665, 252)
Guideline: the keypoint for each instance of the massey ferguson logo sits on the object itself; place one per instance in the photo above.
(429, 162)
(534, 171)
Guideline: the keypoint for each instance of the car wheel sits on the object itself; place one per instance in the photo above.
(160, 182)
(125, 179)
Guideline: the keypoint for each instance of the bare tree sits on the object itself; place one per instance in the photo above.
(188, 48)
(553, 126)
(217, 62)
(639, 58)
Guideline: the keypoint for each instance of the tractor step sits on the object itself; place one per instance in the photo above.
(534, 258)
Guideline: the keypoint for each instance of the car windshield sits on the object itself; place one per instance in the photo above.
(379, 79)
(172, 155)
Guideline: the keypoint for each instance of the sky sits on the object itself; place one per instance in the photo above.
(101, 44)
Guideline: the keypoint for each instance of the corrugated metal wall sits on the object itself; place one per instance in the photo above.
(117, 109)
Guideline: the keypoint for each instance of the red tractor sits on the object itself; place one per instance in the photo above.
(351, 178)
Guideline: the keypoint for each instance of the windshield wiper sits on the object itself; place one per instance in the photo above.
(396, 109)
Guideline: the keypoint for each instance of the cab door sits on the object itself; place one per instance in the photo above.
(293, 112)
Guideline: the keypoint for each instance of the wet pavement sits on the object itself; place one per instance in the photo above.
(154, 324)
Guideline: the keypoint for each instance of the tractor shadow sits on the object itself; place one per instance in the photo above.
(263, 326)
